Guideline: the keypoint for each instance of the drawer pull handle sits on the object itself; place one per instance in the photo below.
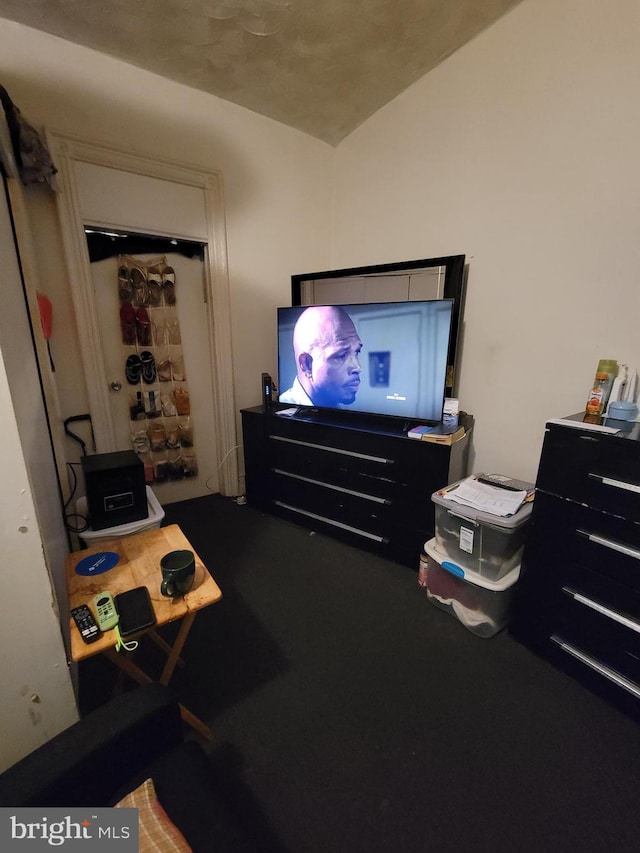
(333, 522)
(617, 484)
(625, 683)
(600, 608)
(609, 543)
(332, 486)
(337, 450)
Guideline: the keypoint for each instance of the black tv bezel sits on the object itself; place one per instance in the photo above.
(454, 288)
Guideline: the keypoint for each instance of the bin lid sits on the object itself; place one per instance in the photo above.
(521, 516)
(466, 574)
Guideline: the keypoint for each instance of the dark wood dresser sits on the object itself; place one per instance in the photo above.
(578, 600)
(365, 486)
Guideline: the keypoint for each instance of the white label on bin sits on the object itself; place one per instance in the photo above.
(466, 539)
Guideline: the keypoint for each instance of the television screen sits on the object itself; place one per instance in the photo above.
(386, 358)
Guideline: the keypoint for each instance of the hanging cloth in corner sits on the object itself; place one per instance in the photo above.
(32, 155)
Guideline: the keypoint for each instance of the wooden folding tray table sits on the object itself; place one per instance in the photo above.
(139, 565)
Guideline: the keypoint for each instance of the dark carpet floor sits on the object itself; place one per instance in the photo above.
(352, 716)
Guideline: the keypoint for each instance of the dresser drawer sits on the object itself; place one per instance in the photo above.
(595, 674)
(601, 590)
(601, 471)
(328, 502)
(566, 538)
(388, 518)
(605, 634)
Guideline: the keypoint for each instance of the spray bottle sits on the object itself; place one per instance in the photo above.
(619, 387)
(610, 367)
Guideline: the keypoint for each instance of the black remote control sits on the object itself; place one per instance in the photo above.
(503, 482)
(87, 626)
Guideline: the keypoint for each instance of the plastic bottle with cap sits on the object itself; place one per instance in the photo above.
(597, 396)
(611, 367)
(423, 568)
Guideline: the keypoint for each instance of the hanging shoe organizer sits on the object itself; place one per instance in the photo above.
(154, 369)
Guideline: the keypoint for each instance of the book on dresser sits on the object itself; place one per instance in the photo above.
(418, 431)
(443, 435)
(438, 434)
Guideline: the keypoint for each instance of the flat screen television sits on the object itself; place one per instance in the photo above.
(376, 359)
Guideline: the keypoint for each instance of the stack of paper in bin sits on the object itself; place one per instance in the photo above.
(485, 498)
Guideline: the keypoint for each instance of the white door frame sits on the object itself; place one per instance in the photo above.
(65, 152)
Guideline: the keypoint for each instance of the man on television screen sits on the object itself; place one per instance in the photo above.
(327, 350)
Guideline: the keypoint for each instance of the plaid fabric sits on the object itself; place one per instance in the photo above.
(157, 834)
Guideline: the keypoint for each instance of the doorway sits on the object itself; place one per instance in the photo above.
(117, 191)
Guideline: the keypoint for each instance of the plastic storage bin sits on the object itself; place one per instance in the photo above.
(483, 543)
(96, 537)
(481, 605)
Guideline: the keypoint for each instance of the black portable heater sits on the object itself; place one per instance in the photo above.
(115, 487)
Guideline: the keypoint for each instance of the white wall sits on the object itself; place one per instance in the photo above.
(37, 696)
(36, 699)
(521, 151)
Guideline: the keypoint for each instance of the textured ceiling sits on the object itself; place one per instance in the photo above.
(328, 66)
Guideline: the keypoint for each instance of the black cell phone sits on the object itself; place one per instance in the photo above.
(135, 610)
